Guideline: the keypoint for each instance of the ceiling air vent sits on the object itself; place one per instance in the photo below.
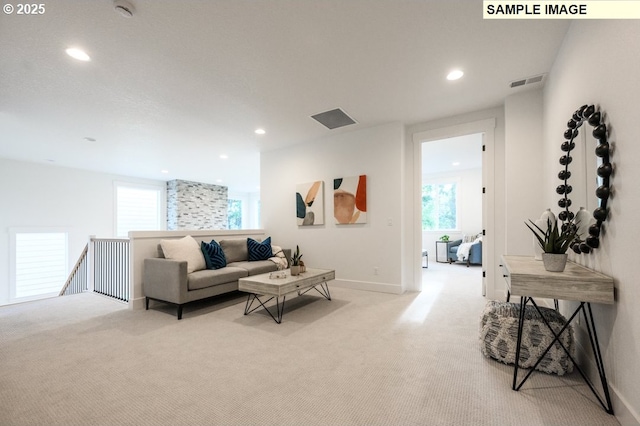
(333, 119)
(528, 80)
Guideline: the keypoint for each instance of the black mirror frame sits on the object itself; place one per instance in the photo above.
(591, 115)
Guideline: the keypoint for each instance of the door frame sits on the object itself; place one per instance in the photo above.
(487, 129)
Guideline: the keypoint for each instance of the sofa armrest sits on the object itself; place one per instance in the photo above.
(165, 279)
(453, 244)
(287, 255)
(475, 253)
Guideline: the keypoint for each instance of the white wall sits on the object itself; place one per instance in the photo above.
(40, 195)
(523, 169)
(597, 64)
(354, 251)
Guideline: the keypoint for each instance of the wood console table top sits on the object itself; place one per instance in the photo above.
(526, 276)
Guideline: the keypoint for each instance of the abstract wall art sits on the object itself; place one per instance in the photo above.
(310, 203)
(350, 199)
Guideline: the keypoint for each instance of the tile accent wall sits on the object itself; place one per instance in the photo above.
(195, 205)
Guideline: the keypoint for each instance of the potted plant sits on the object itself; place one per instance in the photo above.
(554, 243)
(295, 261)
(444, 238)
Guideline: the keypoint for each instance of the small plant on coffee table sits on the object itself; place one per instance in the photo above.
(295, 258)
(295, 261)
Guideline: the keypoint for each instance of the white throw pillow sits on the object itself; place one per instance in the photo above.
(186, 248)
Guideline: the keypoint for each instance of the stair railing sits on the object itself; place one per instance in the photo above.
(77, 282)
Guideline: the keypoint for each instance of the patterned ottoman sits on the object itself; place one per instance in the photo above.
(499, 336)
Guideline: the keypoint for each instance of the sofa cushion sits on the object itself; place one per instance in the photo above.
(235, 250)
(259, 250)
(210, 277)
(186, 249)
(256, 267)
(213, 255)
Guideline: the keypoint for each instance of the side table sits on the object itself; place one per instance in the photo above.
(441, 251)
(527, 278)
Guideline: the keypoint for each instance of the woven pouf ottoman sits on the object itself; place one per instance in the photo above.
(499, 337)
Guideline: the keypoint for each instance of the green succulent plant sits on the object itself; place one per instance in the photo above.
(296, 256)
(444, 238)
(553, 240)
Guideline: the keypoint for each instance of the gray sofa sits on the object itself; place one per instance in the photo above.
(168, 280)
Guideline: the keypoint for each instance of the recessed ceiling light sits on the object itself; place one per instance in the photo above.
(218, 180)
(124, 8)
(78, 54)
(260, 132)
(454, 75)
(224, 156)
(455, 163)
(164, 171)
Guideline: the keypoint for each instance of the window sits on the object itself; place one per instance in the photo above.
(439, 206)
(234, 214)
(138, 208)
(40, 263)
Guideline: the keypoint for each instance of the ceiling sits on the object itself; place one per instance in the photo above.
(452, 154)
(182, 82)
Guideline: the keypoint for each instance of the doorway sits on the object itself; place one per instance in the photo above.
(451, 201)
(470, 147)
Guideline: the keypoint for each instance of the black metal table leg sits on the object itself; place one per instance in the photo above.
(324, 290)
(593, 339)
(279, 306)
(248, 308)
(523, 302)
(598, 357)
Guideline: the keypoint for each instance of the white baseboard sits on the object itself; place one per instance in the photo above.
(367, 286)
(622, 409)
(137, 304)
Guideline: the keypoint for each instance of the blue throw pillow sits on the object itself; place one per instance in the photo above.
(213, 255)
(259, 251)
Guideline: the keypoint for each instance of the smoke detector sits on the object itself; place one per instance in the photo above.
(124, 8)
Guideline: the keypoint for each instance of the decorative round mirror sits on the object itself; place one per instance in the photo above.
(585, 243)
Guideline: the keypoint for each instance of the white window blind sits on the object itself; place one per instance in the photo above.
(137, 209)
(41, 264)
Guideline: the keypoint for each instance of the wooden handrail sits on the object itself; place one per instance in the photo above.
(83, 255)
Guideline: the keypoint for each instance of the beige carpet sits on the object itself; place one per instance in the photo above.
(363, 358)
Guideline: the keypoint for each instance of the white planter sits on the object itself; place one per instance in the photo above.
(554, 262)
(546, 217)
(295, 270)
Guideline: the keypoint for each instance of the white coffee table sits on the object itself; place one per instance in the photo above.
(278, 288)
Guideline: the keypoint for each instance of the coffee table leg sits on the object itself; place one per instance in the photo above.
(279, 306)
(279, 309)
(247, 307)
(324, 290)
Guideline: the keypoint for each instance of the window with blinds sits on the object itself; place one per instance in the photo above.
(40, 266)
(137, 209)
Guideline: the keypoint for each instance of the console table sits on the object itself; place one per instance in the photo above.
(527, 278)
